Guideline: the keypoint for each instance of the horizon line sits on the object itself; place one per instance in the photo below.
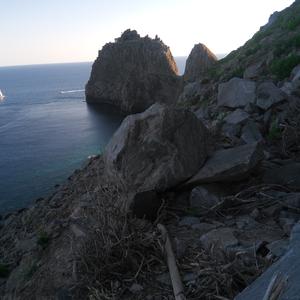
(221, 55)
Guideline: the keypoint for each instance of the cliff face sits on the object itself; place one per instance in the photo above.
(133, 73)
(198, 62)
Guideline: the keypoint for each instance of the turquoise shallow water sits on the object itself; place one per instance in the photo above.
(46, 129)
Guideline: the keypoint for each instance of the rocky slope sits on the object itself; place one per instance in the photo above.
(133, 73)
(221, 172)
(271, 53)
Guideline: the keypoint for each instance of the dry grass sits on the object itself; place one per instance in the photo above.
(120, 250)
(220, 275)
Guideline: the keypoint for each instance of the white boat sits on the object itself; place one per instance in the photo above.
(1, 95)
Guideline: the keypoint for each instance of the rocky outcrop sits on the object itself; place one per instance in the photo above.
(156, 149)
(198, 62)
(133, 73)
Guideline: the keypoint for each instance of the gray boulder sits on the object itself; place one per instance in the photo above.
(236, 93)
(237, 117)
(198, 62)
(287, 266)
(251, 133)
(253, 71)
(229, 165)
(156, 149)
(268, 94)
(133, 73)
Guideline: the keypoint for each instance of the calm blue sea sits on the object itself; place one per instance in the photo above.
(46, 129)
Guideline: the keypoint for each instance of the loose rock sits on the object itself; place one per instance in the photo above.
(229, 165)
(236, 93)
(157, 149)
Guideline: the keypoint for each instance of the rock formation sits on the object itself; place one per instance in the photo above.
(156, 149)
(243, 200)
(133, 73)
(198, 62)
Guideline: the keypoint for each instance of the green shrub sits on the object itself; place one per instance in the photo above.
(286, 46)
(292, 23)
(43, 239)
(4, 271)
(282, 68)
(274, 131)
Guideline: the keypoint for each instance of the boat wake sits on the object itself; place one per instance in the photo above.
(1, 96)
(71, 92)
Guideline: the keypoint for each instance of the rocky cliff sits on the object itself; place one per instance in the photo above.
(133, 73)
(221, 173)
(198, 62)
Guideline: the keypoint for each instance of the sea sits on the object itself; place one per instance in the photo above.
(47, 130)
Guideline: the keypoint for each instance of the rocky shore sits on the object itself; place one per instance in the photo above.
(213, 155)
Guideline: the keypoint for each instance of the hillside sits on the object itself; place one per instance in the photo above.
(218, 168)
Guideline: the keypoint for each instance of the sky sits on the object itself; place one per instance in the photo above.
(56, 31)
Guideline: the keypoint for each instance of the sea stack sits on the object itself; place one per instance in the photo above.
(133, 73)
(198, 62)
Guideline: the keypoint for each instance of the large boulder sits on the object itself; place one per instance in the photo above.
(198, 62)
(287, 266)
(229, 165)
(236, 93)
(133, 73)
(268, 95)
(156, 149)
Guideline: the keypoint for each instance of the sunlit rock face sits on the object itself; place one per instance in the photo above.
(198, 62)
(133, 73)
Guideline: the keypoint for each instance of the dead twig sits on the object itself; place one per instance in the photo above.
(173, 270)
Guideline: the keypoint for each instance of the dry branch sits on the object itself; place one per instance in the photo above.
(173, 270)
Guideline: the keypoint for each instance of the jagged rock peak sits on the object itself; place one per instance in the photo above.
(133, 73)
(198, 62)
(128, 35)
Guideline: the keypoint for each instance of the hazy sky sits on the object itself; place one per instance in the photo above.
(48, 31)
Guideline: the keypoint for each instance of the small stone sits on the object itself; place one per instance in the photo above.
(136, 288)
(237, 117)
(251, 133)
(77, 231)
(201, 197)
(189, 221)
(204, 227)
(222, 238)
(255, 213)
(190, 277)
(245, 222)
